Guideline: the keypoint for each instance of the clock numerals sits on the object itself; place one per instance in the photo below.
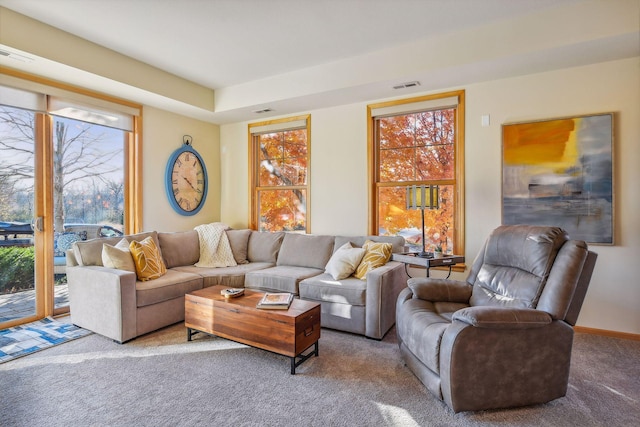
(185, 204)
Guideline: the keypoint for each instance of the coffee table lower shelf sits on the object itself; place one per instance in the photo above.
(295, 360)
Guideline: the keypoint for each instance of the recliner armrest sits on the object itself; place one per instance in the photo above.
(502, 317)
(440, 290)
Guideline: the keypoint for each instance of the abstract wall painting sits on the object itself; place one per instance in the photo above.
(559, 172)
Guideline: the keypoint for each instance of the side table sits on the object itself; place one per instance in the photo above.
(411, 258)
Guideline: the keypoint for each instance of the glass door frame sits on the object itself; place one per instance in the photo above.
(43, 218)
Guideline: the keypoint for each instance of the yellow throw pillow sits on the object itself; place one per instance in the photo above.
(118, 256)
(147, 258)
(376, 255)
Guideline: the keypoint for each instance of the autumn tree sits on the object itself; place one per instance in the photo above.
(282, 180)
(417, 148)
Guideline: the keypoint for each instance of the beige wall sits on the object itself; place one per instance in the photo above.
(339, 182)
(162, 133)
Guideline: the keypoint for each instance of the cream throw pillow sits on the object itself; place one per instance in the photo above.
(376, 255)
(118, 256)
(147, 258)
(344, 261)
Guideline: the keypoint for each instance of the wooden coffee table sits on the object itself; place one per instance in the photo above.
(286, 332)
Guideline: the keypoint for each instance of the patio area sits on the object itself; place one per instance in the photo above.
(23, 304)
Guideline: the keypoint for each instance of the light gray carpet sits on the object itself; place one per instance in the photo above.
(162, 380)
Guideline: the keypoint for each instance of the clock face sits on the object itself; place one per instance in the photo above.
(187, 181)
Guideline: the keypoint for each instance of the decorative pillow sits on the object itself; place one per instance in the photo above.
(147, 259)
(376, 255)
(64, 241)
(344, 261)
(118, 256)
(239, 240)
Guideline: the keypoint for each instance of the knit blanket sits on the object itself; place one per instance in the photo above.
(215, 249)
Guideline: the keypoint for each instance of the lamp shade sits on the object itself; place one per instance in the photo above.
(423, 197)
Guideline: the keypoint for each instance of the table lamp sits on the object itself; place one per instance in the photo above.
(423, 197)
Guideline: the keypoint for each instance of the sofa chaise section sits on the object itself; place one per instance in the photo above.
(366, 307)
(113, 302)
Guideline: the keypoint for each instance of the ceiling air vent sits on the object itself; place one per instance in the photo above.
(264, 110)
(15, 56)
(407, 84)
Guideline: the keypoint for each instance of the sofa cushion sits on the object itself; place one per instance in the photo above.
(173, 284)
(305, 250)
(147, 259)
(239, 241)
(325, 288)
(118, 256)
(89, 252)
(228, 276)
(344, 261)
(180, 248)
(280, 278)
(264, 246)
(376, 255)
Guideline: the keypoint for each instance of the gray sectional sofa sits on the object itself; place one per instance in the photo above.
(115, 304)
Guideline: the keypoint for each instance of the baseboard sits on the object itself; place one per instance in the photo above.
(606, 333)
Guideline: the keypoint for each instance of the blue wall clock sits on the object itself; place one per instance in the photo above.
(186, 179)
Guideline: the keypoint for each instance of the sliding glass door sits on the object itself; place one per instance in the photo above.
(88, 189)
(18, 205)
(68, 172)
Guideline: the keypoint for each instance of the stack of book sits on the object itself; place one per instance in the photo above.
(275, 301)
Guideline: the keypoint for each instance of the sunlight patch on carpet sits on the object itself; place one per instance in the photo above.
(35, 336)
(396, 416)
(130, 351)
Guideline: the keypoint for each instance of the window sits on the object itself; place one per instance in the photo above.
(418, 141)
(280, 153)
(68, 159)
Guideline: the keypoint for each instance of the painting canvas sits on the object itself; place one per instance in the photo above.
(560, 172)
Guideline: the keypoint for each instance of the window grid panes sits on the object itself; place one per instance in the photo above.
(418, 148)
(281, 168)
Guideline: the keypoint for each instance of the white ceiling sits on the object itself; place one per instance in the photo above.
(224, 44)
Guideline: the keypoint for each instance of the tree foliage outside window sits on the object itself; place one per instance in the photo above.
(281, 160)
(417, 148)
(88, 172)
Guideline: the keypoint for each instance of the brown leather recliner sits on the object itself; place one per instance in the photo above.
(503, 338)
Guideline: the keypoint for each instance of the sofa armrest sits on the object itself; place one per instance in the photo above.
(103, 300)
(440, 290)
(502, 317)
(384, 284)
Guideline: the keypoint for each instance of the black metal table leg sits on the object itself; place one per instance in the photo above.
(304, 357)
